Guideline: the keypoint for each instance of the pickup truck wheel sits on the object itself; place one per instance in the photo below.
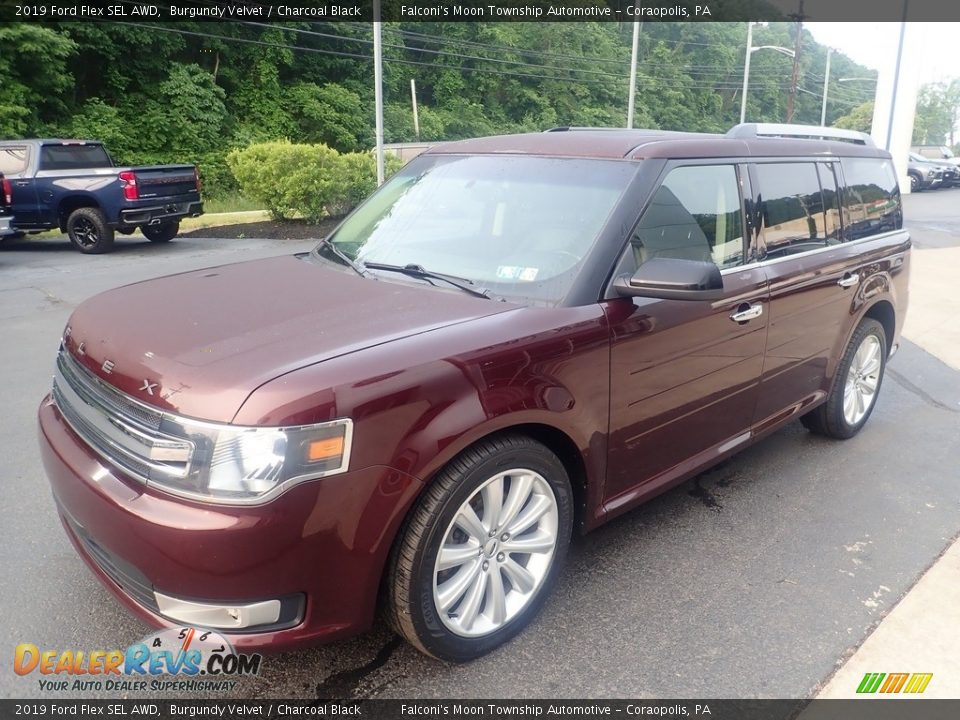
(856, 385)
(480, 552)
(88, 231)
(164, 232)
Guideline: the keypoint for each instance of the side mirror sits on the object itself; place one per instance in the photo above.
(671, 279)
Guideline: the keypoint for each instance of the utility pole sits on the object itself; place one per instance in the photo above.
(416, 115)
(746, 73)
(826, 83)
(378, 86)
(633, 73)
(791, 101)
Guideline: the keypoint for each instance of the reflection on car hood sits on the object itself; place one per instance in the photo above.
(200, 342)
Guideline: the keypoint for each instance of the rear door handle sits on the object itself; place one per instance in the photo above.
(746, 313)
(849, 280)
(22, 183)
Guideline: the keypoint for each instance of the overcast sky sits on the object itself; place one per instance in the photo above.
(874, 44)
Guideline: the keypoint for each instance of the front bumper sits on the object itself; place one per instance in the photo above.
(320, 548)
(156, 214)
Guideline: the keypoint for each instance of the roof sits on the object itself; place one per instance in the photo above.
(642, 144)
(50, 141)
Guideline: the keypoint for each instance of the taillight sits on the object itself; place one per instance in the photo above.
(128, 181)
(7, 192)
(196, 178)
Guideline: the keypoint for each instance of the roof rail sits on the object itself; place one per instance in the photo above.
(572, 128)
(806, 132)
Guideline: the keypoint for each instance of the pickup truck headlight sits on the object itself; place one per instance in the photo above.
(238, 465)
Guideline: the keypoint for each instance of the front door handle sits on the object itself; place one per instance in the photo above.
(849, 280)
(746, 313)
(22, 183)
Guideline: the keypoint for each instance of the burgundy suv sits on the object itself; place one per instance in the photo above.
(515, 337)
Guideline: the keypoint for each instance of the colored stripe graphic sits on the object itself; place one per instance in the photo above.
(870, 682)
(918, 682)
(913, 683)
(894, 682)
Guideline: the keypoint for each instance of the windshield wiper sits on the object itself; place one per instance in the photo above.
(343, 256)
(418, 271)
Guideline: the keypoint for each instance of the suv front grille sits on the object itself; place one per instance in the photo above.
(121, 430)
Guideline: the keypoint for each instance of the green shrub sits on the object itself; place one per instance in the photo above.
(218, 181)
(311, 181)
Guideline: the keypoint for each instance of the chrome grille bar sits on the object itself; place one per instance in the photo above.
(100, 415)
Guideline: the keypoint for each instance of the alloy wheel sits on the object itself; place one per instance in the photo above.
(496, 553)
(85, 232)
(860, 389)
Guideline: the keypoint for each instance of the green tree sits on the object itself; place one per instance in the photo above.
(187, 116)
(330, 114)
(859, 118)
(33, 76)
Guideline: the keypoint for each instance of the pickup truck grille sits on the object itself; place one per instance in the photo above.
(121, 430)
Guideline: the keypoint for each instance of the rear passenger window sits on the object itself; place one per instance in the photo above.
(13, 159)
(871, 198)
(794, 216)
(73, 157)
(694, 215)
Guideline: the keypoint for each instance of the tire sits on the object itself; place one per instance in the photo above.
(164, 232)
(914, 183)
(861, 368)
(474, 623)
(88, 231)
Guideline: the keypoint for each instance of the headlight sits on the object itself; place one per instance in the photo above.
(232, 464)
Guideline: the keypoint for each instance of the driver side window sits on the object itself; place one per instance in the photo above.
(694, 215)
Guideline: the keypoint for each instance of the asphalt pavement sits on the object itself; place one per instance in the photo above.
(755, 579)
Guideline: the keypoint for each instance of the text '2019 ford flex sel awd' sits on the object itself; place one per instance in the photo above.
(514, 338)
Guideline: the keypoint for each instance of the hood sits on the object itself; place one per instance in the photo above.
(199, 343)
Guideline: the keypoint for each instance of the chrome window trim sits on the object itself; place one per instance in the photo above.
(805, 253)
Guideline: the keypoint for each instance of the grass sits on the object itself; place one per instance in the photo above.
(232, 203)
(224, 218)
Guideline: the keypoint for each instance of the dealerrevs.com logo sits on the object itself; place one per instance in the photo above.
(198, 659)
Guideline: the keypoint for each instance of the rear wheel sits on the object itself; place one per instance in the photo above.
(88, 231)
(856, 385)
(481, 551)
(164, 232)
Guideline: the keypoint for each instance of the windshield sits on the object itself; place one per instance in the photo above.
(519, 226)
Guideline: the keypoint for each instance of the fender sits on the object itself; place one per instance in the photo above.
(419, 401)
(884, 281)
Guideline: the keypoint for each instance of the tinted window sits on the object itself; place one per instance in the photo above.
(694, 215)
(73, 157)
(871, 198)
(792, 209)
(13, 159)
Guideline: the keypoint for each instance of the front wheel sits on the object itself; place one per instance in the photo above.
(161, 233)
(856, 385)
(482, 549)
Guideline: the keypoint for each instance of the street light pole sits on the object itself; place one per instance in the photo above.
(633, 74)
(746, 73)
(746, 68)
(378, 86)
(826, 82)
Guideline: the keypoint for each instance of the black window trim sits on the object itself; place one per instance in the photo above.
(743, 185)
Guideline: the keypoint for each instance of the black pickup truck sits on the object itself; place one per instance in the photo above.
(73, 185)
